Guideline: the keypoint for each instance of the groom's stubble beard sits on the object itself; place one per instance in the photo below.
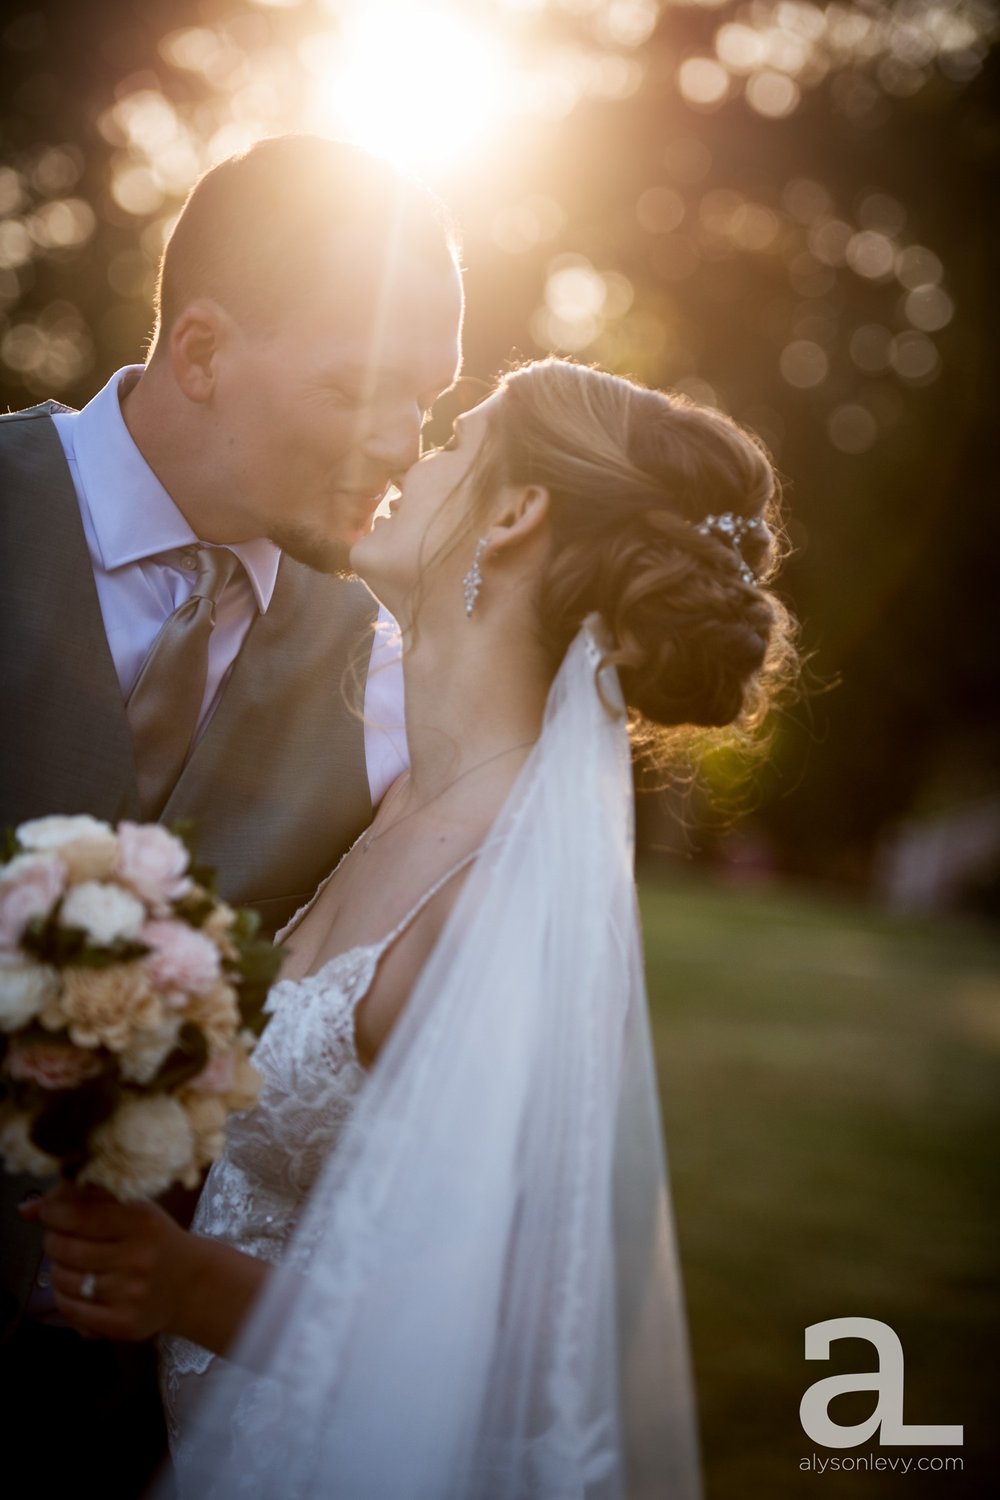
(321, 553)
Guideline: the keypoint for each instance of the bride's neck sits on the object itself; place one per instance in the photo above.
(470, 700)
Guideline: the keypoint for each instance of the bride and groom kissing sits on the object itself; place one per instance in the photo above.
(437, 1258)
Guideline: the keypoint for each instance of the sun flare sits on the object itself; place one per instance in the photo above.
(417, 84)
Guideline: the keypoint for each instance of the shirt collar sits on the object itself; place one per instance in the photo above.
(133, 515)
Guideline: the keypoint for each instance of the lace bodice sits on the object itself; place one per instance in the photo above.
(311, 1075)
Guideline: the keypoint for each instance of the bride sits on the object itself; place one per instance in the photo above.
(438, 1257)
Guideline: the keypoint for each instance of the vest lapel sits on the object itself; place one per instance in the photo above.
(278, 781)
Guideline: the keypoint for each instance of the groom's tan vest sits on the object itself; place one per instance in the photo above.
(277, 784)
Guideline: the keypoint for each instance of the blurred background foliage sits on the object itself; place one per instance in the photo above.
(778, 206)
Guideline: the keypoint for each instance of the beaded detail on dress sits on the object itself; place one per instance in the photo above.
(311, 1075)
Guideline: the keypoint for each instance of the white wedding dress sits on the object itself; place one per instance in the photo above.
(311, 1075)
(479, 1292)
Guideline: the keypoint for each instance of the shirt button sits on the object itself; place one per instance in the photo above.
(190, 558)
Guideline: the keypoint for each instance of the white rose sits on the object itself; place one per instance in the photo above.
(52, 833)
(145, 1146)
(86, 845)
(104, 911)
(25, 989)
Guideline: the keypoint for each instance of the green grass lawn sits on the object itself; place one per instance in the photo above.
(831, 1094)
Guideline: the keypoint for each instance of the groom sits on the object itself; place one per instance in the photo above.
(174, 638)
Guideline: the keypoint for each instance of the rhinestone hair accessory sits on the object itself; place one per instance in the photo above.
(731, 529)
(473, 580)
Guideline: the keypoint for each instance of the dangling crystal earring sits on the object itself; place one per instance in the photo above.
(473, 580)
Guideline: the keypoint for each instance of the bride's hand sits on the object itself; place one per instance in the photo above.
(119, 1270)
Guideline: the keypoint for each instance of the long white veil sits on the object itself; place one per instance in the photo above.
(482, 1300)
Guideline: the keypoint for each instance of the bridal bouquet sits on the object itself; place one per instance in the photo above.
(130, 1000)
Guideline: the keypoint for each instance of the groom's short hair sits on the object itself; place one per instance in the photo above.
(255, 232)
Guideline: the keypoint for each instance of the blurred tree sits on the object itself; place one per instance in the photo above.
(782, 207)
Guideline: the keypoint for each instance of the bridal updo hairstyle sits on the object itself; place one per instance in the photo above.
(630, 473)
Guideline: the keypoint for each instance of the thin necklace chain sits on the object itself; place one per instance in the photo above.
(372, 838)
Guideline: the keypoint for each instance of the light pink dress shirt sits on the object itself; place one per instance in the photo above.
(143, 555)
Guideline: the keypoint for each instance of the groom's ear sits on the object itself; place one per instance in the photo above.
(523, 515)
(196, 339)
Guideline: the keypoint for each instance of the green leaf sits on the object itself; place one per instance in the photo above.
(9, 845)
(259, 963)
(45, 939)
(196, 908)
(185, 1062)
(125, 952)
(253, 974)
(250, 999)
(48, 940)
(186, 829)
(245, 925)
(206, 877)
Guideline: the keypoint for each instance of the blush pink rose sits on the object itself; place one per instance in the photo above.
(218, 1076)
(29, 887)
(182, 958)
(51, 1064)
(153, 862)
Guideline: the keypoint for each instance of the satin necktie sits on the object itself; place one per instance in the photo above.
(165, 701)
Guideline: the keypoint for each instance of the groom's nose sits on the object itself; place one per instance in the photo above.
(395, 442)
